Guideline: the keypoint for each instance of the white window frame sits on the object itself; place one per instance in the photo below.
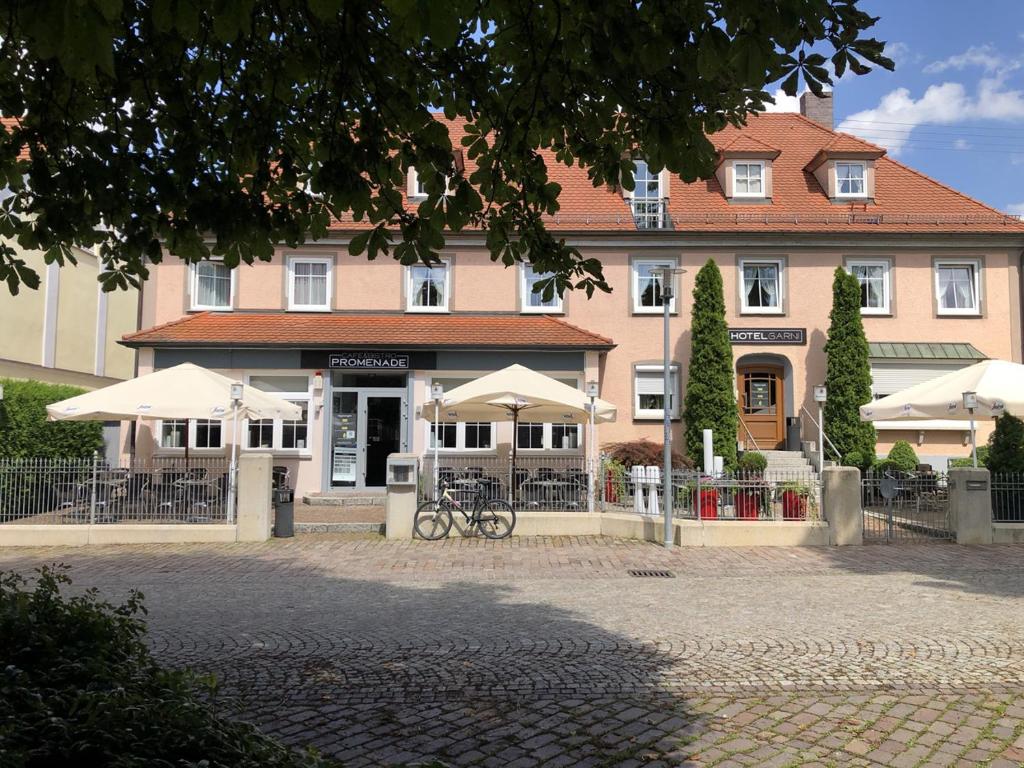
(191, 432)
(975, 265)
(547, 438)
(444, 264)
(526, 272)
(193, 290)
(863, 178)
(675, 396)
(780, 266)
(277, 438)
(416, 191)
(634, 277)
(735, 177)
(326, 307)
(886, 308)
(460, 426)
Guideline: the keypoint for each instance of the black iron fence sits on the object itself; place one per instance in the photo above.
(1008, 497)
(906, 507)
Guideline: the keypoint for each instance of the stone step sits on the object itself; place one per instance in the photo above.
(344, 500)
(305, 528)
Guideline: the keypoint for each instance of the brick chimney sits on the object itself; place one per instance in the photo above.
(817, 108)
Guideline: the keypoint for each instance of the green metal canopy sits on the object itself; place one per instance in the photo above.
(909, 350)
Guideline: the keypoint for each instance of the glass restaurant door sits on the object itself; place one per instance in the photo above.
(367, 425)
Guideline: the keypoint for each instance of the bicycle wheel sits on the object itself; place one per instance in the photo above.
(496, 519)
(432, 521)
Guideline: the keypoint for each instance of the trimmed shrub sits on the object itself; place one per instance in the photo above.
(1005, 446)
(966, 461)
(902, 457)
(710, 401)
(644, 453)
(848, 375)
(752, 461)
(81, 688)
(25, 432)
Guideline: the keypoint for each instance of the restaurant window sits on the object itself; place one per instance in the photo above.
(649, 392)
(282, 434)
(428, 288)
(761, 291)
(205, 433)
(211, 285)
(309, 284)
(748, 179)
(873, 276)
(534, 301)
(460, 436)
(449, 435)
(530, 435)
(957, 287)
(550, 437)
(850, 180)
(647, 286)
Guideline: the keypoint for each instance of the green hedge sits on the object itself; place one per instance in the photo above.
(25, 432)
(79, 687)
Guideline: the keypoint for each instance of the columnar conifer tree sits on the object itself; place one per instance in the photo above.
(710, 390)
(848, 375)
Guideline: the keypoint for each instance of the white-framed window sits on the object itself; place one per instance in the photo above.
(958, 287)
(309, 284)
(648, 197)
(205, 434)
(537, 436)
(850, 180)
(427, 287)
(875, 291)
(647, 285)
(416, 188)
(283, 435)
(748, 178)
(532, 301)
(211, 285)
(649, 391)
(463, 435)
(761, 288)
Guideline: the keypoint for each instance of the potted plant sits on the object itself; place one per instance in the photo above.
(752, 496)
(795, 500)
(705, 499)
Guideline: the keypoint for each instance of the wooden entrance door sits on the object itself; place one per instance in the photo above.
(762, 407)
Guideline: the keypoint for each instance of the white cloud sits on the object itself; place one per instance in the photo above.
(984, 56)
(783, 103)
(891, 123)
(1017, 209)
(961, 144)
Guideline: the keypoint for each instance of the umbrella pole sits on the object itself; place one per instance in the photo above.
(233, 466)
(512, 469)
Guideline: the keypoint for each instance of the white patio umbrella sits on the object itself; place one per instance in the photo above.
(186, 391)
(995, 386)
(505, 394)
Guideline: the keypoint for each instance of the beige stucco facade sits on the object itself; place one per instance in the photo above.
(479, 285)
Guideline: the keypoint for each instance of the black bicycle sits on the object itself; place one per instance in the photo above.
(494, 518)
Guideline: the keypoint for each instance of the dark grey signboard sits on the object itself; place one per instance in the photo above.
(369, 360)
(778, 336)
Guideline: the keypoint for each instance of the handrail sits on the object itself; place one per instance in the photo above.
(835, 450)
(747, 430)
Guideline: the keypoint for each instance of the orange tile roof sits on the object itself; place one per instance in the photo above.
(745, 143)
(905, 200)
(342, 330)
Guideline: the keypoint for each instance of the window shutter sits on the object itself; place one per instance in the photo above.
(889, 378)
(666, 182)
(649, 383)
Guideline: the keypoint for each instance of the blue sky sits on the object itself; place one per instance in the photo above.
(954, 107)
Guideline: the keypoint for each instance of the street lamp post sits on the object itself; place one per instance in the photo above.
(592, 390)
(971, 403)
(237, 395)
(821, 397)
(437, 395)
(667, 292)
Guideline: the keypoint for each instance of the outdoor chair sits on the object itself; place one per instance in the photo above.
(474, 472)
(280, 477)
(546, 473)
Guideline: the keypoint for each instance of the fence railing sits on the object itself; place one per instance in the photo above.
(92, 491)
(906, 506)
(1008, 497)
(782, 495)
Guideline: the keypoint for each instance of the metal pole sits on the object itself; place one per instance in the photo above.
(592, 468)
(666, 480)
(233, 467)
(974, 441)
(821, 441)
(437, 441)
(92, 495)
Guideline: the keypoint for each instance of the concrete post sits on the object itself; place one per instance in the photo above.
(400, 506)
(970, 505)
(255, 509)
(840, 501)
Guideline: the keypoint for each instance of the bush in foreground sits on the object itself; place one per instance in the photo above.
(25, 432)
(644, 453)
(78, 686)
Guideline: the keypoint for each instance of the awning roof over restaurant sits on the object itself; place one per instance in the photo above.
(348, 330)
(905, 350)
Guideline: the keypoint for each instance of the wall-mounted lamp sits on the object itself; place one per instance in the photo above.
(318, 381)
(237, 391)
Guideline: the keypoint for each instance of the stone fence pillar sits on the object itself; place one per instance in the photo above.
(840, 502)
(255, 503)
(970, 505)
(403, 485)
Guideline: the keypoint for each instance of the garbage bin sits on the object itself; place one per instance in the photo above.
(284, 513)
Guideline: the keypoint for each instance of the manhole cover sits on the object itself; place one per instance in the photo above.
(653, 574)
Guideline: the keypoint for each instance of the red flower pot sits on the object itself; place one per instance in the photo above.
(609, 490)
(748, 505)
(708, 503)
(794, 505)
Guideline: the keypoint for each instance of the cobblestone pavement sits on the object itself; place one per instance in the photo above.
(545, 652)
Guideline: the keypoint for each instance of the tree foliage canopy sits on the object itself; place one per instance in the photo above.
(848, 375)
(230, 127)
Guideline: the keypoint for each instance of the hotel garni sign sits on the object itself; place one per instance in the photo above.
(768, 336)
(371, 360)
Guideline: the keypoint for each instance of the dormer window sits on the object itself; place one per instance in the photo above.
(748, 179)
(850, 180)
(648, 197)
(416, 188)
